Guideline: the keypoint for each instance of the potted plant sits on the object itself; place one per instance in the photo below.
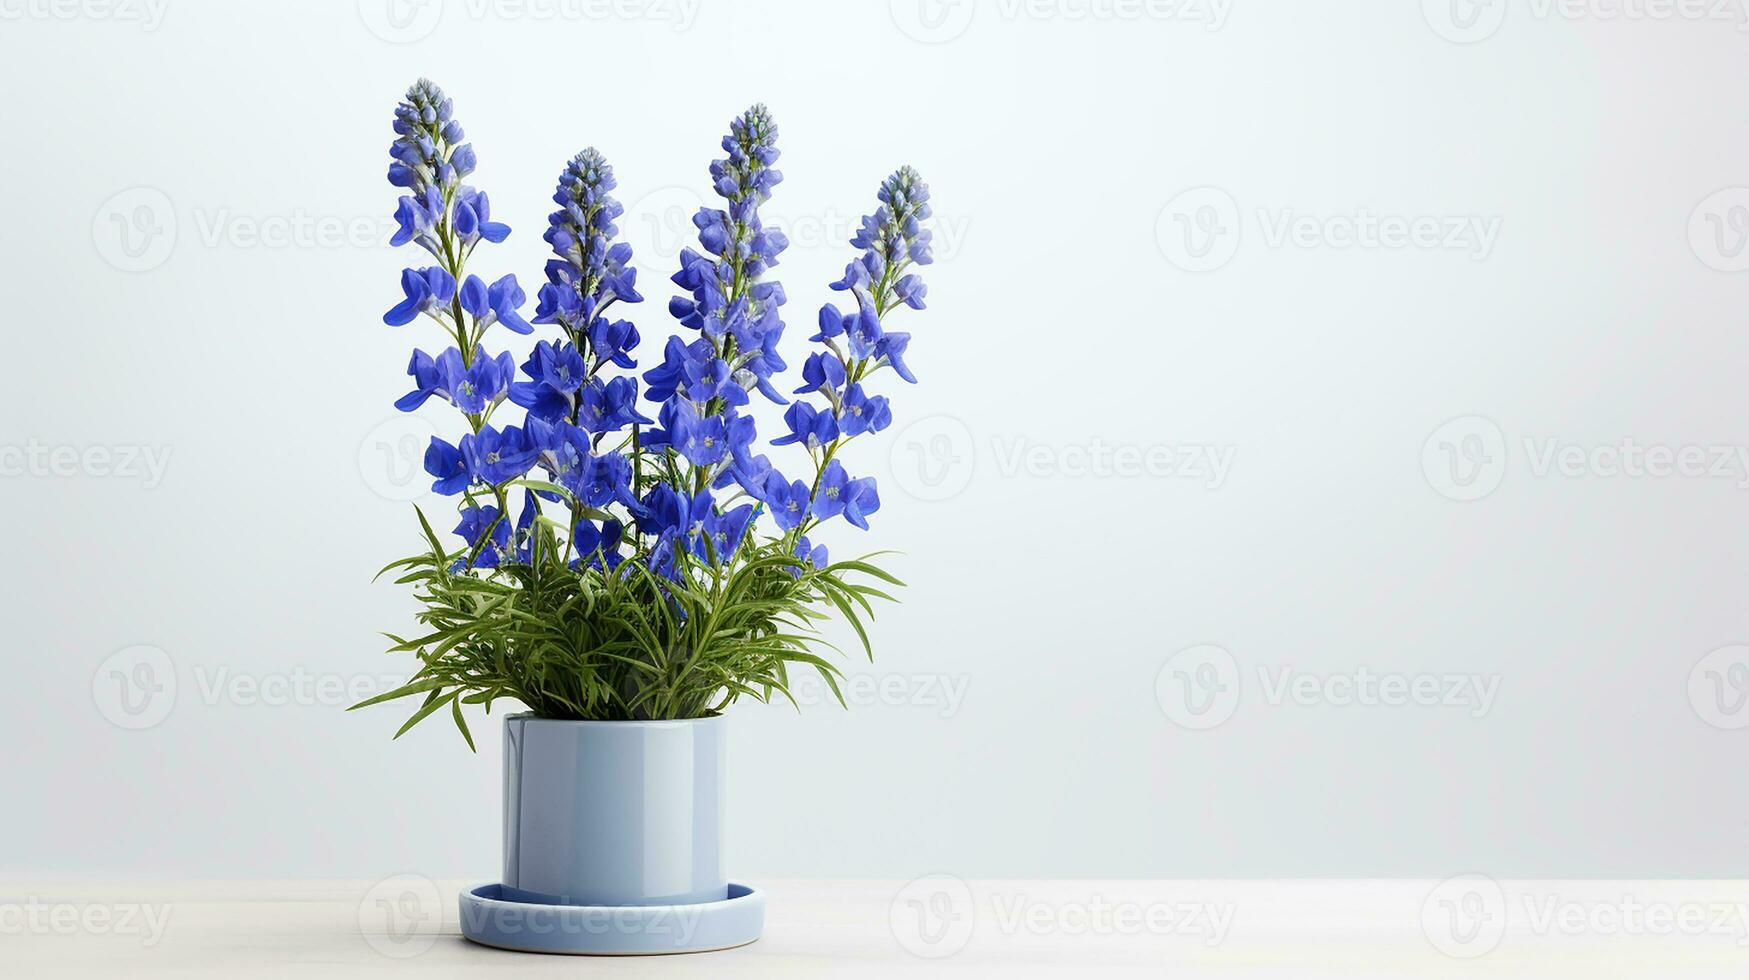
(628, 562)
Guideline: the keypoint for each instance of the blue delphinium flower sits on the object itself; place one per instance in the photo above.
(448, 219)
(583, 442)
(893, 242)
(427, 291)
(590, 272)
(730, 303)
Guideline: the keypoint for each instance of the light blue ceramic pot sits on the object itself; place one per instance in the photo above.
(613, 812)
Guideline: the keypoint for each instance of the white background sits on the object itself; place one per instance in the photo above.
(194, 266)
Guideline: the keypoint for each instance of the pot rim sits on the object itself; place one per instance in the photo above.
(528, 716)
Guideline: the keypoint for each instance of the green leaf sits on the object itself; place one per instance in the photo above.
(404, 690)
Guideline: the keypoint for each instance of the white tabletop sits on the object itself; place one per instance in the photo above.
(407, 926)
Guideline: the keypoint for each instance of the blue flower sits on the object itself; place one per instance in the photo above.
(561, 449)
(719, 536)
(788, 502)
(729, 301)
(829, 497)
(426, 141)
(555, 372)
(606, 479)
(667, 509)
(910, 289)
(473, 218)
(864, 332)
(426, 289)
(703, 440)
(611, 406)
(859, 413)
(822, 371)
(661, 381)
(613, 341)
(431, 376)
(831, 324)
(706, 380)
(861, 500)
(808, 425)
(597, 547)
(498, 457)
(814, 555)
(591, 271)
(750, 473)
(894, 233)
(484, 521)
(497, 303)
(417, 219)
(445, 462)
(482, 384)
(891, 350)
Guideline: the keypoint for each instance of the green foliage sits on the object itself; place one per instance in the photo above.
(583, 643)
